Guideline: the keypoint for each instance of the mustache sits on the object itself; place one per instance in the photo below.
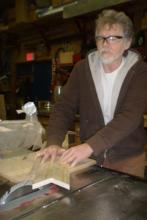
(104, 50)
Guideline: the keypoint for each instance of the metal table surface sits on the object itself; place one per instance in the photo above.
(96, 194)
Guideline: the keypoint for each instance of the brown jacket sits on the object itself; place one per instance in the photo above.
(121, 138)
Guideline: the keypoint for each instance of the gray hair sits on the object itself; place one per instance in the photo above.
(112, 17)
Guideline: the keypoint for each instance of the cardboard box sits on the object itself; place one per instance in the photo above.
(66, 57)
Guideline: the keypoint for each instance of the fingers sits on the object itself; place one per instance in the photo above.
(50, 153)
(46, 156)
(76, 154)
(70, 156)
(68, 160)
(67, 154)
(43, 154)
(53, 154)
(74, 163)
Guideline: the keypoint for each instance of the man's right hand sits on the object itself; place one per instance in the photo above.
(50, 152)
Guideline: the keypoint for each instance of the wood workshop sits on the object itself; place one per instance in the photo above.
(73, 109)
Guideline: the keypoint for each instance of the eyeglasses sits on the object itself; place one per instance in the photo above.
(110, 39)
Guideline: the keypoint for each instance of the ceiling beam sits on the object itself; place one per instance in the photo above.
(87, 6)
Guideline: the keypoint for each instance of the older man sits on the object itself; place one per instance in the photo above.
(109, 90)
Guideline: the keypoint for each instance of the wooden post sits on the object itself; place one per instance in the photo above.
(2, 108)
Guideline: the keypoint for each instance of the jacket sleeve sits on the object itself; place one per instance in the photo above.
(64, 111)
(127, 118)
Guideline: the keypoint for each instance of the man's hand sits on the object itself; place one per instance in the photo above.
(50, 152)
(76, 154)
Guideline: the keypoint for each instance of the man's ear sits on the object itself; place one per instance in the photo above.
(128, 44)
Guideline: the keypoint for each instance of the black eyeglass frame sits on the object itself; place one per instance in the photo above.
(114, 38)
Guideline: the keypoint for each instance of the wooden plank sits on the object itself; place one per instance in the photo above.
(21, 168)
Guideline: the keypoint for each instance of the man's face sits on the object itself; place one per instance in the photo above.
(111, 43)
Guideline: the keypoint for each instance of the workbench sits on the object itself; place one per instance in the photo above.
(96, 194)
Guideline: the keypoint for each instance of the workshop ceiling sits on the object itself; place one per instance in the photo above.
(51, 28)
(5, 4)
(86, 6)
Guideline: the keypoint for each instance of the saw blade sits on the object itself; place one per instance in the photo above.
(22, 188)
(16, 191)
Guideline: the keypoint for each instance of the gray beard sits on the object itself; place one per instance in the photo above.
(107, 61)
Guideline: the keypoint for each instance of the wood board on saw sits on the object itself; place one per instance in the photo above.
(21, 168)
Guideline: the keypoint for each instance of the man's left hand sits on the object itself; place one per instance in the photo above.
(76, 154)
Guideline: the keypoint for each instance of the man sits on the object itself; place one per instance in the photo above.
(109, 90)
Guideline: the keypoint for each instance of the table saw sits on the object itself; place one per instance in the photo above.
(95, 194)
